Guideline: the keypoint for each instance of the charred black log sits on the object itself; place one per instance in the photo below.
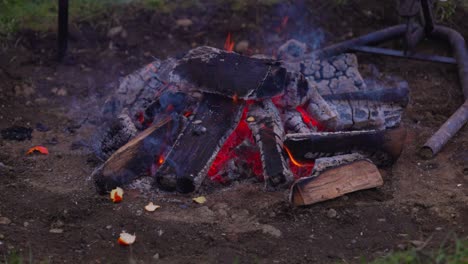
(137, 156)
(230, 74)
(383, 147)
(265, 123)
(186, 165)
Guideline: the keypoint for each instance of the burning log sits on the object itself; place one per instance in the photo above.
(265, 123)
(382, 146)
(335, 182)
(137, 156)
(277, 96)
(188, 161)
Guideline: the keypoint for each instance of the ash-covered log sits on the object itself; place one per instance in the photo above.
(382, 146)
(188, 161)
(265, 122)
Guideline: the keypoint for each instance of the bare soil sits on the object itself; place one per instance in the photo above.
(422, 203)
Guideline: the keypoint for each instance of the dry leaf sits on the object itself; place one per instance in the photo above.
(38, 149)
(126, 239)
(116, 195)
(200, 200)
(151, 207)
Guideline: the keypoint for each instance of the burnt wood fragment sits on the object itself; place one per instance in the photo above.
(230, 74)
(187, 163)
(267, 129)
(137, 156)
(383, 147)
(335, 182)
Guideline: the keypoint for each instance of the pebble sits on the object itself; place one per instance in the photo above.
(2, 236)
(184, 22)
(269, 229)
(331, 213)
(242, 46)
(56, 231)
(114, 31)
(25, 224)
(250, 119)
(417, 243)
(156, 256)
(4, 221)
(108, 226)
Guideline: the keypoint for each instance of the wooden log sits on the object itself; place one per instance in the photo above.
(230, 74)
(383, 147)
(137, 156)
(335, 182)
(187, 163)
(265, 122)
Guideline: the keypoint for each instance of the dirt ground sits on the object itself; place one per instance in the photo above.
(422, 203)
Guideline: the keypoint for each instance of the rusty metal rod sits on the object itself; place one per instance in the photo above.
(401, 54)
(369, 39)
(460, 117)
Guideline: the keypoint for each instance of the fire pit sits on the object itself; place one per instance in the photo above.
(219, 114)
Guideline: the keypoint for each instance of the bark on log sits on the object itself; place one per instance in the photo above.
(383, 147)
(137, 156)
(267, 129)
(335, 182)
(187, 163)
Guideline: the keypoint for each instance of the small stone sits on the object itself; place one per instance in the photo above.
(25, 224)
(196, 122)
(156, 256)
(331, 213)
(242, 46)
(417, 243)
(4, 221)
(438, 228)
(108, 226)
(382, 220)
(139, 212)
(114, 31)
(271, 230)
(56, 231)
(2, 236)
(184, 22)
(250, 119)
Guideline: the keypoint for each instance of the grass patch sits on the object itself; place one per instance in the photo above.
(457, 253)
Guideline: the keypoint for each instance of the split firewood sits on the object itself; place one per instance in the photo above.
(335, 182)
(137, 156)
(188, 161)
(383, 147)
(265, 123)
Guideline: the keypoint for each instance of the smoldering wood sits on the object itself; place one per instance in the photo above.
(230, 74)
(138, 155)
(383, 147)
(188, 161)
(117, 134)
(323, 164)
(267, 129)
(335, 182)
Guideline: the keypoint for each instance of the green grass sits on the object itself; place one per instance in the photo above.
(457, 253)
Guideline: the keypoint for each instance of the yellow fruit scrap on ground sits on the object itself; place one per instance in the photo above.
(126, 239)
(116, 195)
(151, 207)
(200, 200)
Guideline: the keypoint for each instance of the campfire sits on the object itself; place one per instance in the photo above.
(312, 125)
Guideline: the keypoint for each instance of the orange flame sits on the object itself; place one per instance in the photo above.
(229, 44)
(161, 160)
(38, 149)
(295, 162)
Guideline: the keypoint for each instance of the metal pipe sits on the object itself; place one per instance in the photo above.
(460, 117)
(371, 38)
(62, 38)
(401, 54)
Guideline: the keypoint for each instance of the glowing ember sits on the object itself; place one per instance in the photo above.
(229, 44)
(308, 119)
(161, 160)
(227, 152)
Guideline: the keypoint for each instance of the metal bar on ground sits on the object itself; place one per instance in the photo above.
(401, 54)
(62, 38)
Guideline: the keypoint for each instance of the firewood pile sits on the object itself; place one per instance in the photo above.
(313, 126)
